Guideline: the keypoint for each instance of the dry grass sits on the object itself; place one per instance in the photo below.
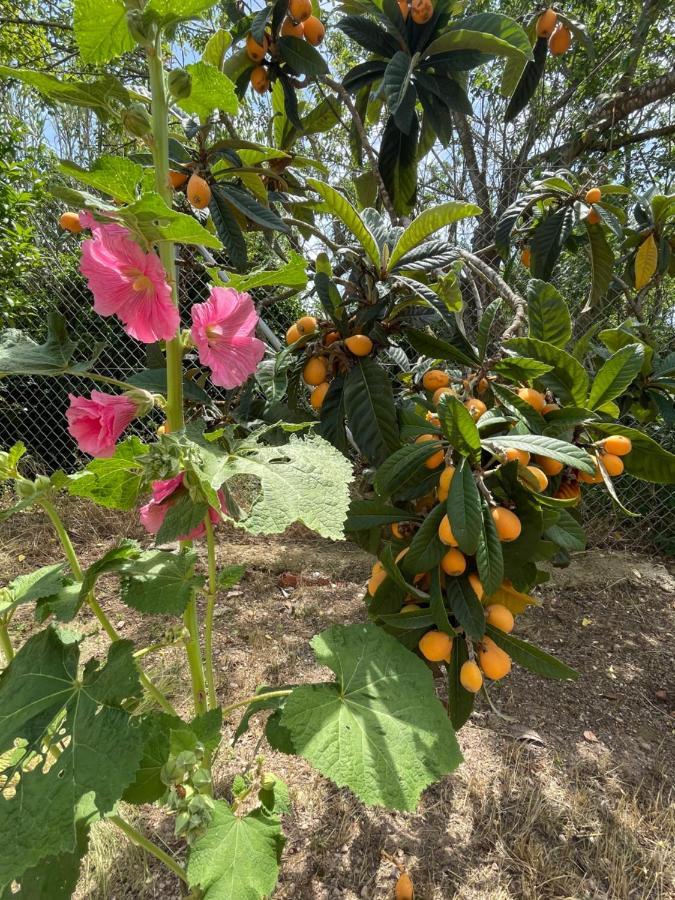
(559, 817)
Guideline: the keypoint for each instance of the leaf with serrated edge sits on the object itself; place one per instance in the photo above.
(464, 509)
(531, 657)
(41, 683)
(306, 480)
(379, 729)
(237, 858)
(342, 208)
(210, 90)
(615, 375)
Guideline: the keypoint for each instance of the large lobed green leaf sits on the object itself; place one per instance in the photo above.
(211, 89)
(379, 728)
(306, 480)
(101, 30)
(114, 482)
(96, 95)
(40, 819)
(237, 858)
(114, 175)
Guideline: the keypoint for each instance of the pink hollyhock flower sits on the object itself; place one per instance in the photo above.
(223, 331)
(128, 283)
(97, 422)
(164, 495)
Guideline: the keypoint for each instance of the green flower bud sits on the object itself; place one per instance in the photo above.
(268, 781)
(143, 30)
(144, 400)
(180, 84)
(25, 489)
(136, 120)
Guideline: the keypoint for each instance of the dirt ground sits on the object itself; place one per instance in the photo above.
(566, 794)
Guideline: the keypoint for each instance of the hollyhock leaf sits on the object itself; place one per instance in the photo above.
(101, 30)
(306, 480)
(117, 176)
(42, 683)
(156, 221)
(379, 728)
(211, 90)
(160, 583)
(21, 355)
(181, 519)
(114, 482)
(237, 858)
(172, 11)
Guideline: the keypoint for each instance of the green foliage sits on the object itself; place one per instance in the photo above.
(41, 819)
(238, 857)
(379, 728)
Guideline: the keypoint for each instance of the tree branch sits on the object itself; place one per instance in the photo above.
(515, 301)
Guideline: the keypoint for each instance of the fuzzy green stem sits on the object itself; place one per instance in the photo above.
(160, 156)
(6, 642)
(256, 698)
(194, 657)
(140, 840)
(93, 604)
(104, 379)
(210, 611)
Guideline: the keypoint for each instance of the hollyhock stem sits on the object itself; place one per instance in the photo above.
(160, 155)
(210, 611)
(6, 642)
(140, 840)
(92, 603)
(194, 656)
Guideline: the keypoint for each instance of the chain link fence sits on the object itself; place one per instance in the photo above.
(32, 409)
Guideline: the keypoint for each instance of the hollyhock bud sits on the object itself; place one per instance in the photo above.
(136, 120)
(180, 84)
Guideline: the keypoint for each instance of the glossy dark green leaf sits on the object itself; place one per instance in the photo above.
(459, 427)
(369, 513)
(489, 556)
(547, 241)
(460, 701)
(531, 657)
(371, 413)
(548, 314)
(464, 508)
(301, 56)
(466, 607)
(228, 229)
(529, 80)
(398, 164)
(426, 549)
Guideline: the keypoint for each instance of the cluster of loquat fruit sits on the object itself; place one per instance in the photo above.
(326, 350)
(299, 23)
(592, 196)
(486, 658)
(197, 191)
(558, 35)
